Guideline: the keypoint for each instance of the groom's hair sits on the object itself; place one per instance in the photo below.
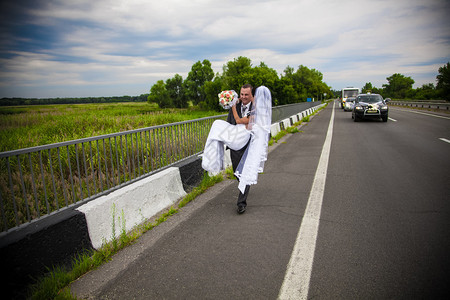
(249, 86)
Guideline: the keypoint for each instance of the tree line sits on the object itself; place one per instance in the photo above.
(202, 86)
(400, 87)
(43, 101)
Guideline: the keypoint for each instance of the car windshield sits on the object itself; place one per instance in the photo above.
(350, 93)
(370, 99)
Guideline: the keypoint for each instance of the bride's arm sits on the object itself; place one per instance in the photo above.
(239, 120)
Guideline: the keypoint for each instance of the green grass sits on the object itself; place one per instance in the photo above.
(206, 183)
(29, 126)
(229, 173)
(305, 119)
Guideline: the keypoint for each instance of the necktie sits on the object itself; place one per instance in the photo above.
(244, 109)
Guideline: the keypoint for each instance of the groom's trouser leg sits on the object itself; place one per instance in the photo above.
(242, 198)
(235, 159)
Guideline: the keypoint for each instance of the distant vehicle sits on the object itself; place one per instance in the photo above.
(349, 103)
(348, 92)
(370, 106)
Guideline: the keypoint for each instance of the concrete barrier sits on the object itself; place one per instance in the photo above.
(123, 209)
(289, 122)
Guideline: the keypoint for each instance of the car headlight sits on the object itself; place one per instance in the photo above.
(359, 108)
(384, 107)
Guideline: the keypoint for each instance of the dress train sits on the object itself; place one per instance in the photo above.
(222, 134)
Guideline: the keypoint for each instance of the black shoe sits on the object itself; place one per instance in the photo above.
(241, 209)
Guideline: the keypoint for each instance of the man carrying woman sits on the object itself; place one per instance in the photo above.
(246, 133)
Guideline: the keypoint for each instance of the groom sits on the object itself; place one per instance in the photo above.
(243, 108)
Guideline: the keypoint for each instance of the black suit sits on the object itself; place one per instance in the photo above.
(236, 155)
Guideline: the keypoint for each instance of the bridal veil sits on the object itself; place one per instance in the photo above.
(252, 161)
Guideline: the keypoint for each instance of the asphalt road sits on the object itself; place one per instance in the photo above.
(383, 230)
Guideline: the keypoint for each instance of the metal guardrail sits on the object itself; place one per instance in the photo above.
(422, 104)
(285, 111)
(39, 181)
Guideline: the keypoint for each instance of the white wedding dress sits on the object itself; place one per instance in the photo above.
(222, 134)
(236, 136)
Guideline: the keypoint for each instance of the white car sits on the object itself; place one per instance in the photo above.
(349, 104)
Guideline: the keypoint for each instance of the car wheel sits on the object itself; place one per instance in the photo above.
(356, 118)
(384, 118)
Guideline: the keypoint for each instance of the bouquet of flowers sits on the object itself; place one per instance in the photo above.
(227, 99)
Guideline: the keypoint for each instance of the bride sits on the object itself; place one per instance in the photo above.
(237, 136)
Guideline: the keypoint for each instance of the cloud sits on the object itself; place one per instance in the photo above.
(110, 47)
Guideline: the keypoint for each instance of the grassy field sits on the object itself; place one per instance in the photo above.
(29, 126)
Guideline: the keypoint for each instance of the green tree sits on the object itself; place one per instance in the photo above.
(399, 86)
(369, 88)
(289, 95)
(336, 93)
(263, 75)
(290, 87)
(160, 95)
(426, 92)
(443, 82)
(307, 83)
(212, 90)
(304, 83)
(237, 73)
(143, 97)
(202, 86)
(200, 73)
(176, 90)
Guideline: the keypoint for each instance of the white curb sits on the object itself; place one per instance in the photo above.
(131, 205)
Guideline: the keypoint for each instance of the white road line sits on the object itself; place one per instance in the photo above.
(445, 140)
(394, 120)
(298, 273)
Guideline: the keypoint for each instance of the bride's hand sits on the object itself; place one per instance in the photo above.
(234, 102)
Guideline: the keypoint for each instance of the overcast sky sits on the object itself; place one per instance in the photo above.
(77, 48)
